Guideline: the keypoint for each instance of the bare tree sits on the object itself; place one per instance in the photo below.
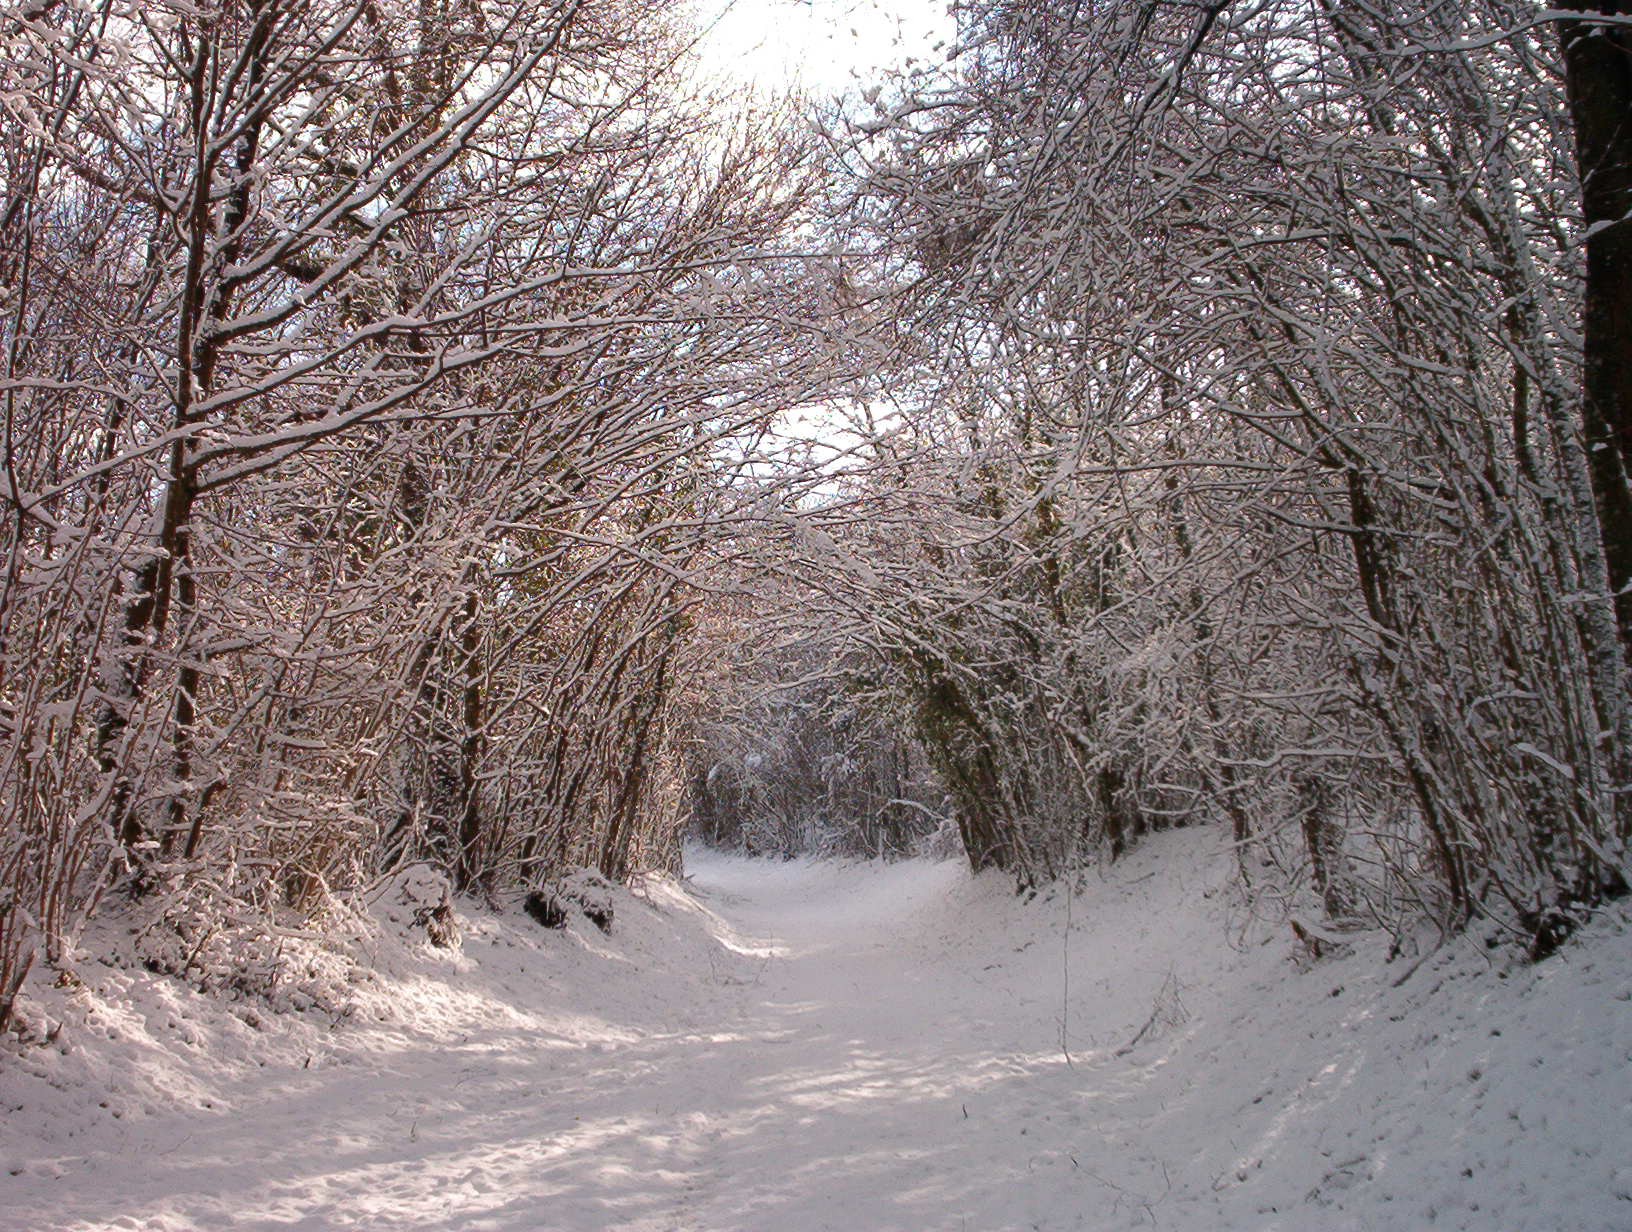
(332, 330)
(1246, 391)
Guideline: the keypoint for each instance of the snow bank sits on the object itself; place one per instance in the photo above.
(136, 1101)
(781, 1047)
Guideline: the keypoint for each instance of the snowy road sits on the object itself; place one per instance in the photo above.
(864, 1050)
(880, 1079)
(840, 1063)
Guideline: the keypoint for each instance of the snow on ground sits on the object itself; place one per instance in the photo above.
(803, 1046)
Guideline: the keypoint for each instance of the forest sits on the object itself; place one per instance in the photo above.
(453, 434)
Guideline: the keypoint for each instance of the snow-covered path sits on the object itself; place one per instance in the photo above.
(832, 1061)
(859, 1049)
(874, 1080)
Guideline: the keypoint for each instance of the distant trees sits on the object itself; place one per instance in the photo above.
(794, 756)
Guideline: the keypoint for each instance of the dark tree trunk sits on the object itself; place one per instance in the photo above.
(1323, 840)
(959, 750)
(1598, 77)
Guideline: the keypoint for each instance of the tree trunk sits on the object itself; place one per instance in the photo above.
(471, 746)
(1598, 77)
(1323, 840)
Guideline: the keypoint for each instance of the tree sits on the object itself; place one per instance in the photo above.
(1292, 289)
(330, 329)
(1597, 50)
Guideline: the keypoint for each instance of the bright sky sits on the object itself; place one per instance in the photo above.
(826, 46)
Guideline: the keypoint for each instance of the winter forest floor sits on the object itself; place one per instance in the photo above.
(790, 1047)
